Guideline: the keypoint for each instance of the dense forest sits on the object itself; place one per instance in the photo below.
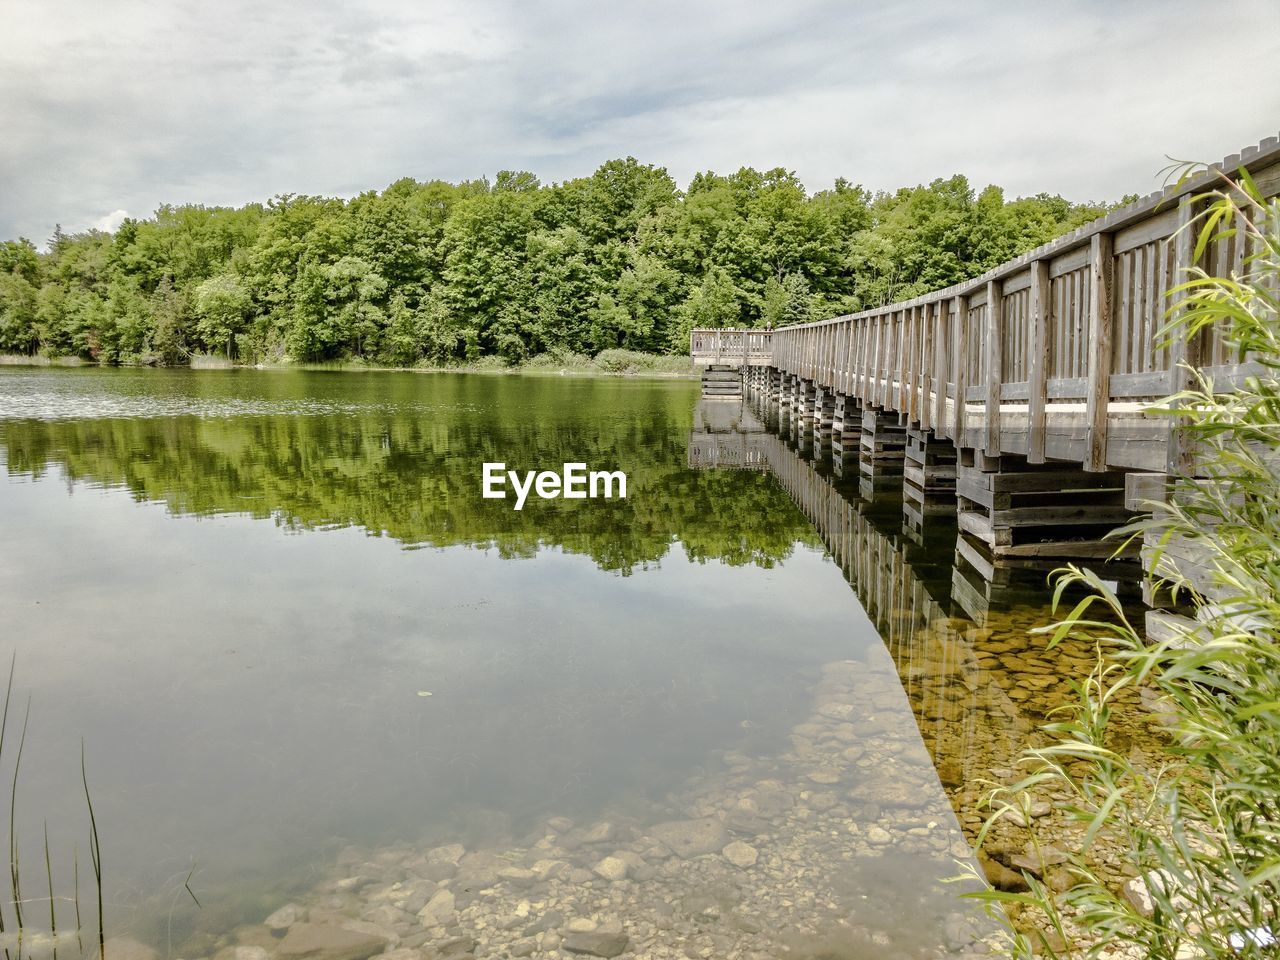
(442, 273)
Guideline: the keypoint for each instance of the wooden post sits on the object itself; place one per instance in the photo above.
(940, 331)
(890, 349)
(858, 387)
(960, 366)
(1098, 395)
(902, 361)
(1038, 379)
(864, 361)
(913, 360)
(873, 393)
(927, 333)
(1184, 351)
(848, 359)
(907, 381)
(995, 353)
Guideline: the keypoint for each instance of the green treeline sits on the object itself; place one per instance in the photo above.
(442, 273)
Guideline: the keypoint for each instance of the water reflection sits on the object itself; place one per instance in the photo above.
(671, 725)
(956, 625)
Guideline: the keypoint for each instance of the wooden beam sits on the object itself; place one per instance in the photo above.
(886, 361)
(940, 331)
(899, 360)
(960, 365)
(1037, 380)
(850, 355)
(911, 358)
(1102, 263)
(995, 352)
(876, 335)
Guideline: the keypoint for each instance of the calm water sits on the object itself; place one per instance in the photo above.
(295, 640)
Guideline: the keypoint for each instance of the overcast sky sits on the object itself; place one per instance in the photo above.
(112, 107)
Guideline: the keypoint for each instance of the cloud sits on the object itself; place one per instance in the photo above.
(128, 105)
(110, 222)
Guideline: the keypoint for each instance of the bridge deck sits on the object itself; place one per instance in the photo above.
(1058, 354)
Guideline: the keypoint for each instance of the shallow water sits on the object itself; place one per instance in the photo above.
(303, 651)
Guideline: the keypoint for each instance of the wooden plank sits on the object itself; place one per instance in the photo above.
(1037, 380)
(1155, 228)
(1015, 283)
(1099, 333)
(846, 356)
(1082, 549)
(1122, 334)
(1184, 352)
(974, 523)
(973, 556)
(919, 376)
(994, 352)
(907, 383)
(887, 359)
(1068, 262)
(1143, 489)
(897, 365)
(1162, 626)
(874, 395)
(941, 327)
(1058, 515)
(960, 366)
(864, 360)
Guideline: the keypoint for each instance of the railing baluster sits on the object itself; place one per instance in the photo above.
(1098, 396)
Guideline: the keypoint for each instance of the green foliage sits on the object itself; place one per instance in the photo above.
(625, 361)
(222, 305)
(1198, 826)
(439, 273)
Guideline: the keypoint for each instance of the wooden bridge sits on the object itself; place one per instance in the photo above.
(1021, 398)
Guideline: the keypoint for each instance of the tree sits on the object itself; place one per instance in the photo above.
(511, 268)
(222, 304)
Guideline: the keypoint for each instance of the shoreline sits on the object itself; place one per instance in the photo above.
(21, 360)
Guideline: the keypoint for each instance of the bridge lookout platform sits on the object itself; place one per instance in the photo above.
(724, 356)
(1022, 399)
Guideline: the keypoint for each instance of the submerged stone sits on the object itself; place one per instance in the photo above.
(611, 868)
(285, 917)
(741, 854)
(596, 944)
(450, 853)
(692, 838)
(310, 941)
(439, 911)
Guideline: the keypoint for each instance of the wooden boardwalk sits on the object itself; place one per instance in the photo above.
(1039, 376)
(1053, 355)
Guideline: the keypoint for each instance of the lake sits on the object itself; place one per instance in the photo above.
(737, 713)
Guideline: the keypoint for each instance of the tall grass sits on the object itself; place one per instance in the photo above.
(17, 932)
(1198, 827)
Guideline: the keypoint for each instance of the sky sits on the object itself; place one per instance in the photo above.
(109, 108)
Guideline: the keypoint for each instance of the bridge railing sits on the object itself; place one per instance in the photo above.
(1055, 354)
(746, 348)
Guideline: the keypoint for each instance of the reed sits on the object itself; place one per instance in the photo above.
(18, 925)
(1198, 825)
